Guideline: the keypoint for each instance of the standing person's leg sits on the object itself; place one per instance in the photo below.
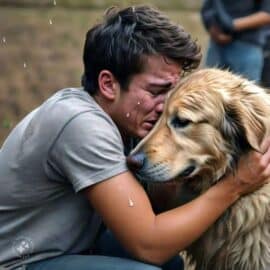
(245, 59)
(108, 245)
(213, 56)
(89, 262)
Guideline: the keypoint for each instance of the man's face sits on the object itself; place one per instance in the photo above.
(140, 106)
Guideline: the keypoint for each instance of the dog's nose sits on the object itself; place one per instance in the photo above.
(135, 161)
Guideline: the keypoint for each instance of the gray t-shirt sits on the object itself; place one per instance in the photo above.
(65, 145)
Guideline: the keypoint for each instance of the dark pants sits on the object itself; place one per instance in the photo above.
(109, 246)
(108, 255)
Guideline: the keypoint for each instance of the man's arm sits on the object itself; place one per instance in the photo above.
(126, 210)
(255, 20)
(208, 14)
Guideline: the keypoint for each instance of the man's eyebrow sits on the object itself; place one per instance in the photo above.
(165, 85)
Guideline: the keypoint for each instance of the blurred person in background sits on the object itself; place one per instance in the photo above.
(237, 35)
(265, 81)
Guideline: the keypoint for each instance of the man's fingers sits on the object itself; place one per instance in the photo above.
(265, 145)
(266, 174)
(265, 159)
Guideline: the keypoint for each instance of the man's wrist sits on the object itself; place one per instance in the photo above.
(229, 188)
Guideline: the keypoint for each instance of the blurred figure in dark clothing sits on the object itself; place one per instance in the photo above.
(237, 35)
(265, 80)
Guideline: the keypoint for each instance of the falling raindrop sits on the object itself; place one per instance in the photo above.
(54, 2)
(24, 65)
(4, 39)
(50, 21)
(138, 102)
(128, 115)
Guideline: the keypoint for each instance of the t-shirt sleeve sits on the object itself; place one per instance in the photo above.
(88, 150)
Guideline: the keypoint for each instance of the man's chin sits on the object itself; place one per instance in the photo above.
(142, 133)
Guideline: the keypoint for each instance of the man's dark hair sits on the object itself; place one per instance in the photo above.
(122, 41)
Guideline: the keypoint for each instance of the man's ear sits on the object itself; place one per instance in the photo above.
(108, 85)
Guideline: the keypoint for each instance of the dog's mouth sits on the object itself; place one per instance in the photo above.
(188, 171)
(188, 176)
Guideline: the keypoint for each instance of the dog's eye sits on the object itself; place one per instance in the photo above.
(178, 122)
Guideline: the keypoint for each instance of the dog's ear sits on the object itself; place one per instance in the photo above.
(233, 131)
(253, 119)
(245, 121)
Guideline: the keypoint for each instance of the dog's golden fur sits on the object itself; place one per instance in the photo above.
(210, 120)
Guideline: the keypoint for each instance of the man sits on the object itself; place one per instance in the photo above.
(237, 35)
(63, 167)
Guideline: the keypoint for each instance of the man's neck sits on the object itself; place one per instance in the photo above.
(126, 138)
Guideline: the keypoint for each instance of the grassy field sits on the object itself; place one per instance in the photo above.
(40, 52)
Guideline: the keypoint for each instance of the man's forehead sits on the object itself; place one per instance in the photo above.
(161, 83)
(163, 78)
(155, 63)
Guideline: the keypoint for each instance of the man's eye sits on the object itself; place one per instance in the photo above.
(178, 122)
(154, 93)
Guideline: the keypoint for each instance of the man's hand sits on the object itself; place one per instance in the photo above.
(254, 170)
(218, 36)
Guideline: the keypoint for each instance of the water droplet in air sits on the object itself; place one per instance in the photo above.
(128, 115)
(50, 21)
(54, 2)
(4, 39)
(24, 65)
(138, 102)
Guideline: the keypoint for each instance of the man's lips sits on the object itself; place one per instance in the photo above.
(149, 124)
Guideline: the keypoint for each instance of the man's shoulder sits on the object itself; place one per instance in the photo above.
(65, 105)
(69, 101)
(72, 113)
(41, 127)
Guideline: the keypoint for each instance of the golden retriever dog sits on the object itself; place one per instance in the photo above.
(210, 120)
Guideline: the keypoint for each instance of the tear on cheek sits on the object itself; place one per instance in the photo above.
(130, 202)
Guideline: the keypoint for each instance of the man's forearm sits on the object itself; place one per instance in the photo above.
(252, 21)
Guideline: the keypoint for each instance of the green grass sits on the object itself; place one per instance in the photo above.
(52, 53)
(6, 123)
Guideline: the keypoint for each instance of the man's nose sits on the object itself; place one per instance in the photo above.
(160, 107)
(136, 161)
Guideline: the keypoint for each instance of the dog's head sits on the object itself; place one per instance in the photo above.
(209, 121)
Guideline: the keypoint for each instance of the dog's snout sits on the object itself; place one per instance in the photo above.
(136, 161)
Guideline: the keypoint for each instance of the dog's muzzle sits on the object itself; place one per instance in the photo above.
(145, 170)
